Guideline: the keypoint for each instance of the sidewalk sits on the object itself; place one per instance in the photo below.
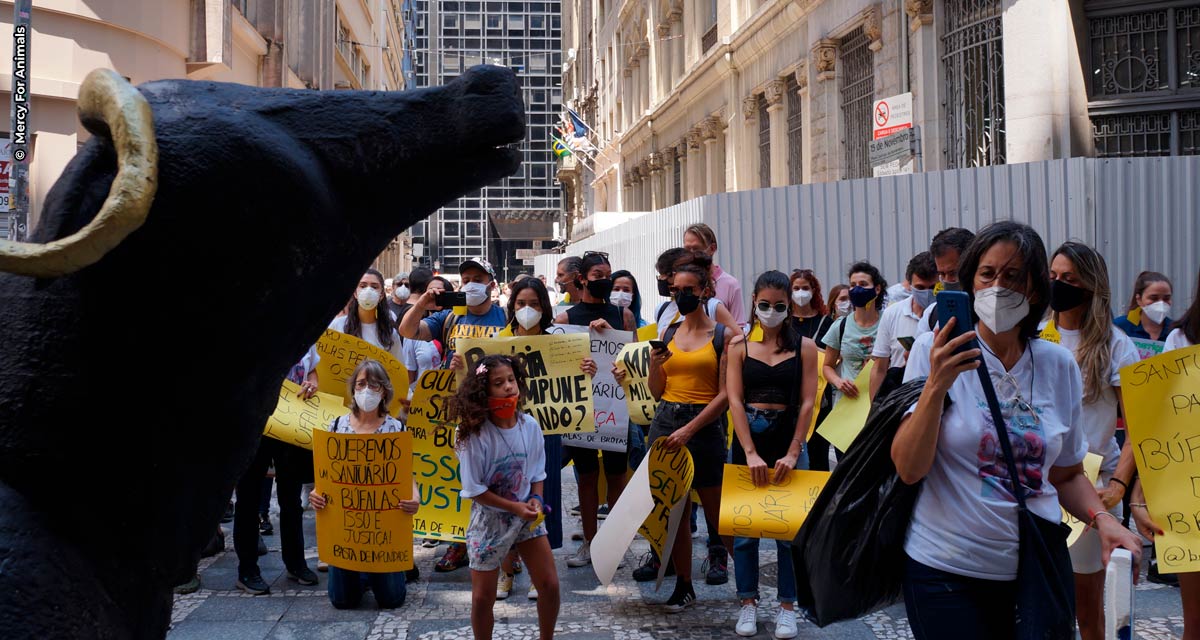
(438, 606)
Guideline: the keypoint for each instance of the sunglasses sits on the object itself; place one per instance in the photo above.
(587, 254)
(765, 306)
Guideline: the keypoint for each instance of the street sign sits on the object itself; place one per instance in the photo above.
(892, 155)
(891, 115)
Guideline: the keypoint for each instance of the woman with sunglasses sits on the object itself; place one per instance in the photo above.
(771, 380)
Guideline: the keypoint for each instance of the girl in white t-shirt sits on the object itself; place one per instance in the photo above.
(962, 541)
(502, 464)
(369, 318)
(1082, 322)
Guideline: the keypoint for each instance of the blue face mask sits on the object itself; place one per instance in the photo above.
(924, 297)
(862, 296)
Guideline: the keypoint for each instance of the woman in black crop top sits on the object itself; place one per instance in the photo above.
(771, 381)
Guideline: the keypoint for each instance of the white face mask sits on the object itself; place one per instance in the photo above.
(402, 293)
(368, 400)
(843, 308)
(477, 293)
(368, 298)
(1157, 312)
(770, 318)
(528, 317)
(621, 298)
(1000, 309)
(801, 297)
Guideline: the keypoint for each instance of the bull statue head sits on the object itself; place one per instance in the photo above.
(185, 260)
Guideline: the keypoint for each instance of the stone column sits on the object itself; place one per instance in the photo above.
(657, 183)
(643, 54)
(635, 94)
(801, 74)
(695, 175)
(626, 98)
(714, 157)
(825, 116)
(749, 149)
(665, 62)
(678, 57)
(779, 160)
(927, 86)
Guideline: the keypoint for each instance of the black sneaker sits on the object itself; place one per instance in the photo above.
(602, 512)
(264, 525)
(262, 546)
(1152, 574)
(304, 576)
(215, 545)
(648, 572)
(227, 517)
(683, 597)
(253, 585)
(412, 575)
(191, 586)
(574, 511)
(717, 569)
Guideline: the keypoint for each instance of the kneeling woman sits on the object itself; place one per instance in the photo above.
(371, 392)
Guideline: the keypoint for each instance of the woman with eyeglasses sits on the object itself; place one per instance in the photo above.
(771, 381)
(962, 543)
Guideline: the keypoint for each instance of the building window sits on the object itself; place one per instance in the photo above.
(764, 144)
(710, 22)
(858, 92)
(974, 66)
(677, 178)
(795, 131)
(1145, 79)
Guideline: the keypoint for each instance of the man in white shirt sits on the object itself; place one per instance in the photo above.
(947, 247)
(898, 325)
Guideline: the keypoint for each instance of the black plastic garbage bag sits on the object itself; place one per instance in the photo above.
(849, 553)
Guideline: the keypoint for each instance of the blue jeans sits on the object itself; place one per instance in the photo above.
(552, 490)
(637, 444)
(745, 569)
(943, 605)
(346, 588)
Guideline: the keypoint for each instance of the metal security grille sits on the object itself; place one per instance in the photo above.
(764, 143)
(1145, 78)
(795, 132)
(858, 94)
(974, 63)
(676, 179)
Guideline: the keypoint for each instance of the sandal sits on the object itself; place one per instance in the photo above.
(454, 558)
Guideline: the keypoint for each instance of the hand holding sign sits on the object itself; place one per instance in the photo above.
(774, 510)
(295, 418)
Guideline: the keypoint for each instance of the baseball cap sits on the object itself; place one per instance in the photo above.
(478, 263)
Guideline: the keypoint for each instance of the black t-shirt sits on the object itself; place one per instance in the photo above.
(813, 327)
(584, 313)
(398, 309)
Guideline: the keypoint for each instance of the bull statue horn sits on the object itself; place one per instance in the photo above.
(108, 105)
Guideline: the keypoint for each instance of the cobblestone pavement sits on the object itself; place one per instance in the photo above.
(438, 606)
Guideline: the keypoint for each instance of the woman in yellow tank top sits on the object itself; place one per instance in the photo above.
(688, 377)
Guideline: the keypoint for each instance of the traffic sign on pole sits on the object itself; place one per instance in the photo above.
(891, 115)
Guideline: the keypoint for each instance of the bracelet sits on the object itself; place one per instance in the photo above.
(803, 444)
(1096, 515)
(1119, 481)
(1138, 504)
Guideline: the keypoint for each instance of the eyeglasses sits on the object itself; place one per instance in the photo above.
(359, 385)
(765, 306)
(675, 292)
(587, 254)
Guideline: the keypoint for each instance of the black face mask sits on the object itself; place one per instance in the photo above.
(1064, 297)
(562, 288)
(600, 288)
(687, 302)
(664, 289)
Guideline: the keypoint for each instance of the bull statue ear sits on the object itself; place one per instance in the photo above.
(108, 106)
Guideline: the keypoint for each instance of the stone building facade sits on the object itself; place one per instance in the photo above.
(692, 98)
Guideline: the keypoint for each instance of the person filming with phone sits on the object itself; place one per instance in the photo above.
(967, 570)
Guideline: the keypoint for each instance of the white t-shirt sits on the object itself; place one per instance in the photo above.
(1176, 340)
(419, 356)
(504, 461)
(965, 519)
(928, 320)
(341, 424)
(1100, 416)
(371, 334)
(897, 321)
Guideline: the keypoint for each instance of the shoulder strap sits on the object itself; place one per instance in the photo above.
(448, 326)
(985, 380)
(669, 334)
(719, 339)
(658, 314)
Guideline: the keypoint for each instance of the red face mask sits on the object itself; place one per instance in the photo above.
(503, 408)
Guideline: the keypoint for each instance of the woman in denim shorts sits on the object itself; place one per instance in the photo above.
(689, 379)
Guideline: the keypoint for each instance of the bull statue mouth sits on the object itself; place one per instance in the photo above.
(108, 106)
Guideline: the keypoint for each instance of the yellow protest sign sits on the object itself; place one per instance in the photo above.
(341, 353)
(1162, 416)
(295, 418)
(634, 358)
(849, 415)
(363, 479)
(443, 514)
(560, 394)
(1091, 469)
(821, 384)
(670, 478)
(770, 511)
(648, 332)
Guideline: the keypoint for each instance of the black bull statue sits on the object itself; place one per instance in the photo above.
(185, 260)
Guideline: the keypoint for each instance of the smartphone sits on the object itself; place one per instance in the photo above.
(448, 299)
(956, 304)
(906, 342)
(658, 345)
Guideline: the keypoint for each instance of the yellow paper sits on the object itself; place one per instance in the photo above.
(648, 332)
(1091, 469)
(821, 384)
(635, 360)
(363, 479)
(770, 511)
(670, 479)
(849, 415)
(341, 353)
(295, 418)
(756, 334)
(560, 394)
(444, 514)
(1162, 417)
(1050, 333)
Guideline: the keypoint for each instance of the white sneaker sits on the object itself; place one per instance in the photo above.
(533, 592)
(504, 586)
(582, 557)
(747, 624)
(785, 624)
